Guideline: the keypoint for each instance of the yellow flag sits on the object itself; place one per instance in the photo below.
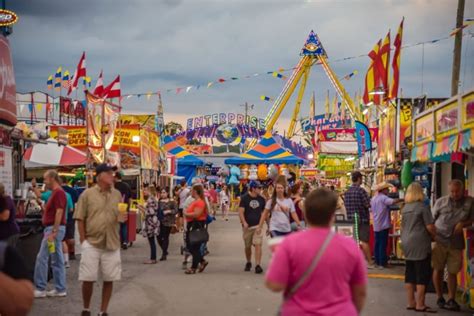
(326, 106)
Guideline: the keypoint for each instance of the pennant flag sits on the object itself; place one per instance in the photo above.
(372, 76)
(80, 72)
(188, 88)
(221, 80)
(234, 78)
(396, 62)
(66, 79)
(57, 79)
(87, 81)
(277, 75)
(265, 98)
(178, 90)
(22, 107)
(49, 82)
(39, 107)
(384, 62)
(148, 95)
(349, 76)
(458, 29)
(113, 89)
(326, 106)
(30, 107)
(210, 84)
(99, 86)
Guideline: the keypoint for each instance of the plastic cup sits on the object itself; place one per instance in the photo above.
(122, 207)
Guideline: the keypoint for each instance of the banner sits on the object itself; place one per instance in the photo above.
(386, 148)
(335, 166)
(144, 120)
(406, 111)
(345, 134)
(76, 135)
(6, 169)
(364, 139)
(321, 122)
(7, 85)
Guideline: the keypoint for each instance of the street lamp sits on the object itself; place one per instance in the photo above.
(377, 91)
(135, 138)
(310, 156)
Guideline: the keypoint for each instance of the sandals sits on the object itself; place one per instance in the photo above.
(150, 262)
(426, 309)
(203, 266)
(190, 271)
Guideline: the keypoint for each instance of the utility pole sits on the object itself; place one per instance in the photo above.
(246, 111)
(457, 49)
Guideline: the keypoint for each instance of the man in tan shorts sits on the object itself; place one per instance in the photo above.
(451, 214)
(251, 208)
(98, 221)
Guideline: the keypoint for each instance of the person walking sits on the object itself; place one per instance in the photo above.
(98, 219)
(196, 216)
(281, 208)
(184, 193)
(379, 206)
(319, 272)
(72, 196)
(9, 230)
(251, 209)
(224, 202)
(168, 210)
(452, 214)
(298, 201)
(213, 198)
(54, 221)
(126, 192)
(417, 231)
(152, 222)
(357, 204)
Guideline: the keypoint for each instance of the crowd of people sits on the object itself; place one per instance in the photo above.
(289, 215)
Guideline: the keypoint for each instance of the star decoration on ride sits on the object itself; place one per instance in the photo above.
(313, 46)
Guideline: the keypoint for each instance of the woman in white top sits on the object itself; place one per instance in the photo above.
(281, 208)
(224, 201)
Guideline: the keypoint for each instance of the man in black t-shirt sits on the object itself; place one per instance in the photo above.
(251, 209)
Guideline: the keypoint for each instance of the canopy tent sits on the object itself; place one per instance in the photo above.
(53, 155)
(187, 162)
(267, 151)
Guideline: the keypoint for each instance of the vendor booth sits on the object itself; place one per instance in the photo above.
(188, 164)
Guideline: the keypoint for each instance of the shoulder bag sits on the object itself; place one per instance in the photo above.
(309, 271)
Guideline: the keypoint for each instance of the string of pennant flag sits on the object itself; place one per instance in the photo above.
(65, 80)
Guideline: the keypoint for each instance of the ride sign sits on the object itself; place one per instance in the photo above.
(7, 17)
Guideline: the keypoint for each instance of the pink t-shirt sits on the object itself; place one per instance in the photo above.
(327, 291)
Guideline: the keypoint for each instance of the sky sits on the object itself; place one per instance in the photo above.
(164, 44)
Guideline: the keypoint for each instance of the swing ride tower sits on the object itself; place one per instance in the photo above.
(312, 53)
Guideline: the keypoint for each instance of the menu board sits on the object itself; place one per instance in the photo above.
(447, 120)
(6, 169)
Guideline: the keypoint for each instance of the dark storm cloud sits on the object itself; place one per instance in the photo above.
(157, 45)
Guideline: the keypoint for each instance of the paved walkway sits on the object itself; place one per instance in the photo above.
(223, 289)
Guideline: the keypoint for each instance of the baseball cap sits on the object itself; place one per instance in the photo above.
(104, 167)
(255, 184)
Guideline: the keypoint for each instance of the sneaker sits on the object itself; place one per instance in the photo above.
(380, 267)
(67, 265)
(258, 269)
(55, 293)
(452, 306)
(248, 266)
(124, 246)
(86, 313)
(441, 302)
(371, 266)
(40, 294)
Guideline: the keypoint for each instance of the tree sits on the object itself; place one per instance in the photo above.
(172, 128)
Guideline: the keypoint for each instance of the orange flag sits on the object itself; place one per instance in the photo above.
(372, 76)
(396, 62)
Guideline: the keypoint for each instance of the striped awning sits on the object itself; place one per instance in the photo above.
(266, 151)
(183, 156)
(445, 146)
(422, 152)
(466, 140)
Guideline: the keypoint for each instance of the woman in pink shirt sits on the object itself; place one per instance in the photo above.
(336, 279)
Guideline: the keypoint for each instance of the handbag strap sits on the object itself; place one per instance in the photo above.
(312, 266)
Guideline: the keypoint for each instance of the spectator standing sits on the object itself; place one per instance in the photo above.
(251, 209)
(417, 231)
(184, 193)
(451, 214)
(315, 261)
(9, 230)
(98, 221)
(126, 192)
(213, 198)
(70, 224)
(382, 222)
(168, 210)
(357, 204)
(224, 201)
(54, 221)
(298, 201)
(152, 222)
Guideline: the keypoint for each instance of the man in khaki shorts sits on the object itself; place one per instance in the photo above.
(98, 221)
(251, 208)
(451, 214)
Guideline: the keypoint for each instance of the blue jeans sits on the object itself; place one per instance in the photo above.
(57, 262)
(380, 249)
(275, 233)
(123, 233)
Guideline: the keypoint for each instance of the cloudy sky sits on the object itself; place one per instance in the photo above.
(164, 44)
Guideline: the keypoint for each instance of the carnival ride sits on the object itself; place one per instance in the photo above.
(312, 53)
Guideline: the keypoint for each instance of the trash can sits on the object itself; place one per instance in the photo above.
(31, 235)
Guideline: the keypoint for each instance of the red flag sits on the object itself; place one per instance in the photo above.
(384, 61)
(80, 72)
(113, 89)
(99, 86)
(372, 76)
(396, 61)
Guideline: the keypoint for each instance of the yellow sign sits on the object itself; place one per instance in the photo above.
(144, 120)
(468, 111)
